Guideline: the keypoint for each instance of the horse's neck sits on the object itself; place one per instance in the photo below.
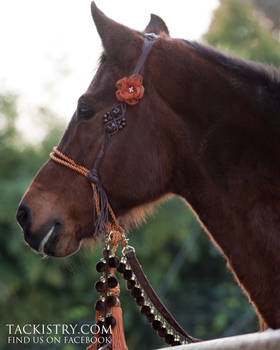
(228, 174)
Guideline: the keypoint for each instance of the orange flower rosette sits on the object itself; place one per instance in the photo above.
(130, 90)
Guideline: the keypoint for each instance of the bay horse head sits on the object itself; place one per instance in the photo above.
(207, 129)
(56, 210)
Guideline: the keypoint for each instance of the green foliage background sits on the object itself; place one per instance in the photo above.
(178, 257)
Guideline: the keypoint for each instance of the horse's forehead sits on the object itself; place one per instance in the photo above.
(105, 76)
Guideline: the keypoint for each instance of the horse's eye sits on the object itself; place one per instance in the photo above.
(85, 112)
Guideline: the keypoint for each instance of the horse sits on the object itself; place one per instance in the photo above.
(207, 130)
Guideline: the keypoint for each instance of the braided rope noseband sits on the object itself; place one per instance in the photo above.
(62, 159)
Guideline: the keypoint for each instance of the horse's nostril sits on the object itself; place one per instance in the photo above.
(24, 216)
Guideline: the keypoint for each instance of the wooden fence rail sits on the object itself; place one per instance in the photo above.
(268, 340)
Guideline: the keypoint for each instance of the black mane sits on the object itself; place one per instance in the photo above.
(254, 72)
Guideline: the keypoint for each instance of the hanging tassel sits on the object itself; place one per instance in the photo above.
(94, 346)
(118, 339)
(99, 194)
(101, 205)
(112, 317)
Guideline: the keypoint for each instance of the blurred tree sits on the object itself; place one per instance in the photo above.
(271, 10)
(235, 29)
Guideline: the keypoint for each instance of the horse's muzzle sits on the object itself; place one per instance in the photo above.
(43, 241)
(24, 217)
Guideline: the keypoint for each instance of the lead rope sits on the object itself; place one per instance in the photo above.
(107, 307)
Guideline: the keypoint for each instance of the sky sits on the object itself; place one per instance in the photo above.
(50, 49)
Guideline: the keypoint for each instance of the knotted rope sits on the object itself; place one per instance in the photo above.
(102, 205)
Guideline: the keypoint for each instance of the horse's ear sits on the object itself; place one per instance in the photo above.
(115, 37)
(156, 25)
